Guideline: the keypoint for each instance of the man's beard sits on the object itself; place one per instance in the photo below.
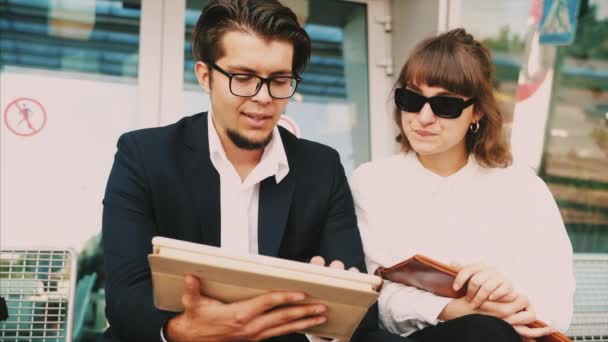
(247, 144)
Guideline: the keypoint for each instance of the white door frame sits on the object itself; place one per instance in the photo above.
(381, 72)
(150, 63)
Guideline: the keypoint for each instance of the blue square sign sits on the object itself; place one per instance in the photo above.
(558, 23)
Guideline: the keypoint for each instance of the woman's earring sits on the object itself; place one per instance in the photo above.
(474, 127)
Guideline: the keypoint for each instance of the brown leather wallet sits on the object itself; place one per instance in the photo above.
(424, 273)
(433, 276)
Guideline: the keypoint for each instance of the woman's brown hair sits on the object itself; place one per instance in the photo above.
(458, 63)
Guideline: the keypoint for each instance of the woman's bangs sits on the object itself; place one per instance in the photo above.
(441, 70)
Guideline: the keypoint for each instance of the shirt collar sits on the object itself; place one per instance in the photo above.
(273, 162)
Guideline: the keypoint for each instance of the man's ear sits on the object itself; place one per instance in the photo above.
(202, 75)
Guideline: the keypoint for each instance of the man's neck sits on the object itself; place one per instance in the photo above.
(244, 161)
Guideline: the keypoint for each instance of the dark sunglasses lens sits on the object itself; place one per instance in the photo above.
(408, 101)
(447, 107)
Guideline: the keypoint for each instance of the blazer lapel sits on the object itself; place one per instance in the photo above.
(203, 178)
(274, 205)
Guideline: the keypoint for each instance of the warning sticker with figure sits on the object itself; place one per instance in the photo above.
(25, 117)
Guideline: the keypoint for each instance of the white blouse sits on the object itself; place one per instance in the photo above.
(502, 217)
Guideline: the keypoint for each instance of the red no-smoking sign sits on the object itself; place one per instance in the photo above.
(25, 117)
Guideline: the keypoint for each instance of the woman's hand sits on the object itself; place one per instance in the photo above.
(462, 306)
(484, 283)
(519, 321)
(518, 313)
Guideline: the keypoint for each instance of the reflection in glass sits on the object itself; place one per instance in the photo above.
(575, 161)
(502, 27)
(88, 36)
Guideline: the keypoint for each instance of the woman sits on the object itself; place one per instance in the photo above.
(453, 194)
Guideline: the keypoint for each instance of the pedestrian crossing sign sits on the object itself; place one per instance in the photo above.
(558, 23)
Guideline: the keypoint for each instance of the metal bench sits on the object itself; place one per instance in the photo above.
(590, 320)
(38, 288)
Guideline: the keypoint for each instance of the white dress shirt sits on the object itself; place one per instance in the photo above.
(502, 217)
(239, 200)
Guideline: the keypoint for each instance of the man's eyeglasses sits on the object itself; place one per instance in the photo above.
(248, 85)
(443, 106)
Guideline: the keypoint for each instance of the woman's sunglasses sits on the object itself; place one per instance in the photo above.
(443, 106)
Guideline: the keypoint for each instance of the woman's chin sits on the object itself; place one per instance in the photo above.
(424, 149)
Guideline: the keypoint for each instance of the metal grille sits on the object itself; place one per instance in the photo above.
(590, 320)
(38, 288)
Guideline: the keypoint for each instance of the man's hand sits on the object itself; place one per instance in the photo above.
(272, 314)
(318, 260)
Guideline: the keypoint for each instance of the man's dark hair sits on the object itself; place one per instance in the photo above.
(266, 18)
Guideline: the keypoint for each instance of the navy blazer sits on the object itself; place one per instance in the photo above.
(163, 183)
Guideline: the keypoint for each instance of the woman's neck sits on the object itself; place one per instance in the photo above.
(446, 163)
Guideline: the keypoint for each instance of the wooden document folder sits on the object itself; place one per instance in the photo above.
(433, 276)
(228, 277)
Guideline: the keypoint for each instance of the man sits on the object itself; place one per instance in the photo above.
(230, 178)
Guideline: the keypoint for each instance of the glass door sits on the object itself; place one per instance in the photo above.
(71, 75)
(332, 105)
